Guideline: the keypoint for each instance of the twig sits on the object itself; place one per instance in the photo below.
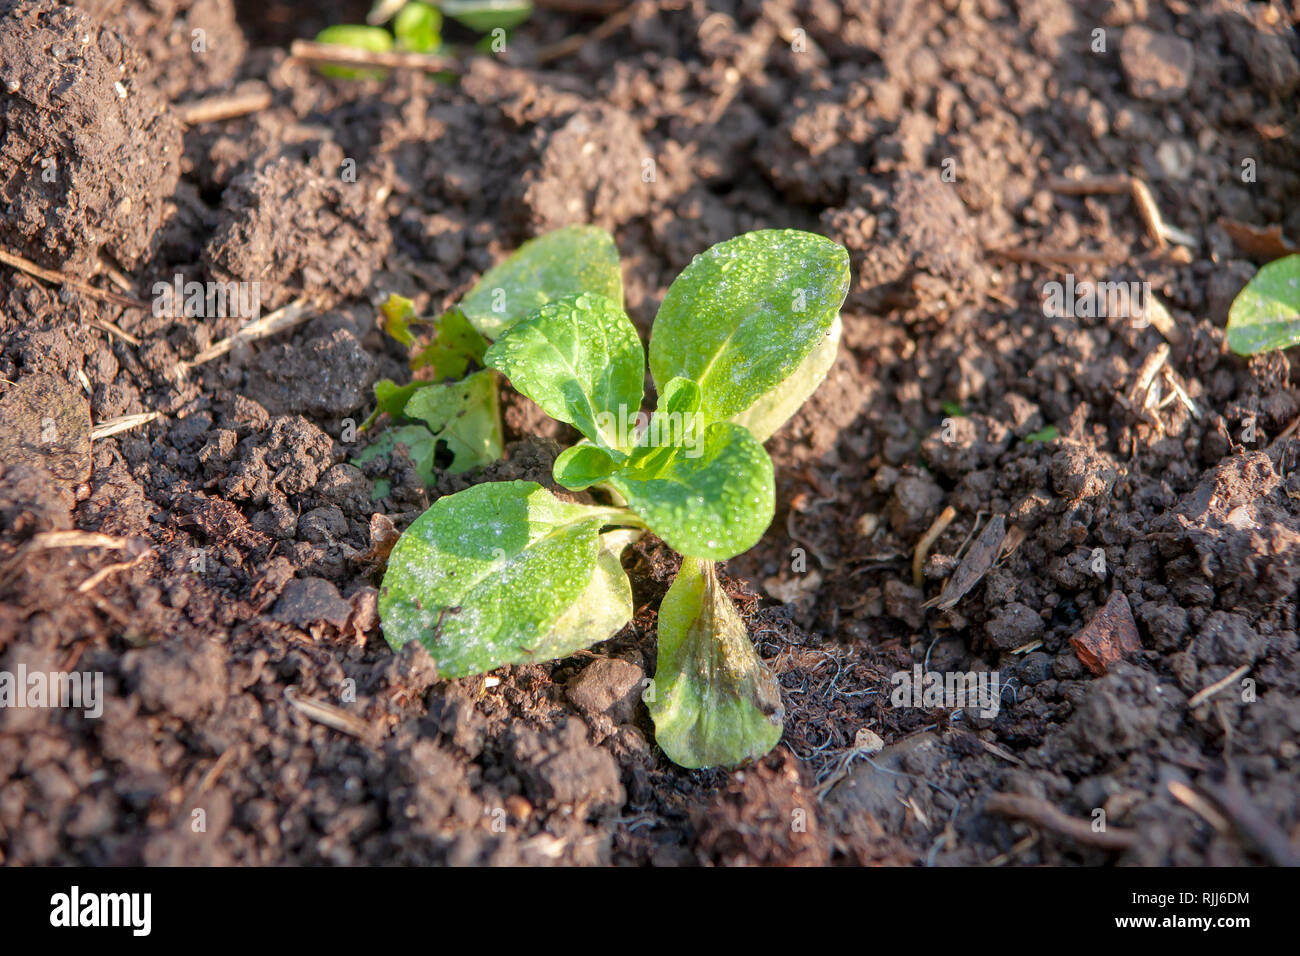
(1149, 211)
(1197, 804)
(1090, 185)
(1266, 835)
(1181, 393)
(1201, 696)
(1050, 256)
(330, 716)
(60, 279)
(311, 52)
(213, 109)
(1045, 815)
(927, 542)
(47, 540)
(572, 44)
(93, 581)
(292, 314)
(120, 424)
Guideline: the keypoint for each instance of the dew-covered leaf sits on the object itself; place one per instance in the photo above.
(464, 415)
(1266, 314)
(491, 575)
(564, 262)
(714, 702)
(583, 465)
(713, 498)
(581, 360)
(746, 312)
(778, 404)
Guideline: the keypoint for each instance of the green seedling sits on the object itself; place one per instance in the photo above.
(454, 411)
(1265, 315)
(510, 573)
(417, 27)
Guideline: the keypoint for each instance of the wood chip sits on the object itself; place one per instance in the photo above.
(1109, 637)
(1266, 243)
(979, 561)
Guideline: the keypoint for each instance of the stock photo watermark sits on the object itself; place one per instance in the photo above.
(78, 690)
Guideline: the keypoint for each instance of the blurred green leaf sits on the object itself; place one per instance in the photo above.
(1265, 315)
(374, 39)
(418, 28)
(483, 16)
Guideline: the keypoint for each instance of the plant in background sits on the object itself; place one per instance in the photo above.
(508, 573)
(417, 27)
(1265, 315)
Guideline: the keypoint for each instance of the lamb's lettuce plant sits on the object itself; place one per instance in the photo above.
(508, 573)
(417, 27)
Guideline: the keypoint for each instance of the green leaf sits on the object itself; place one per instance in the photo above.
(390, 398)
(583, 465)
(564, 262)
(374, 39)
(1266, 314)
(777, 405)
(463, 414)
(455, 345)
(746, 312)
(491, 576)
(1043, 434)
(712, 498)
(674, 425)
(581, 360)
(483, 16)
(399, 312)
(714, 702)
(418, 27)
(420, 446)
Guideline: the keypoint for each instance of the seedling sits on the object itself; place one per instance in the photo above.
(509, 573)
(1265, 315)
(454, 413)
(417, 27)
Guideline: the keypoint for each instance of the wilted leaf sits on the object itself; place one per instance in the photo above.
(455, 345)
(463, 414)
(715, 704)
(420, 447)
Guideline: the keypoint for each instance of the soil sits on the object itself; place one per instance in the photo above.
(921, 135)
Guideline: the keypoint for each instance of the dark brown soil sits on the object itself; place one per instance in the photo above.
(922, 136)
